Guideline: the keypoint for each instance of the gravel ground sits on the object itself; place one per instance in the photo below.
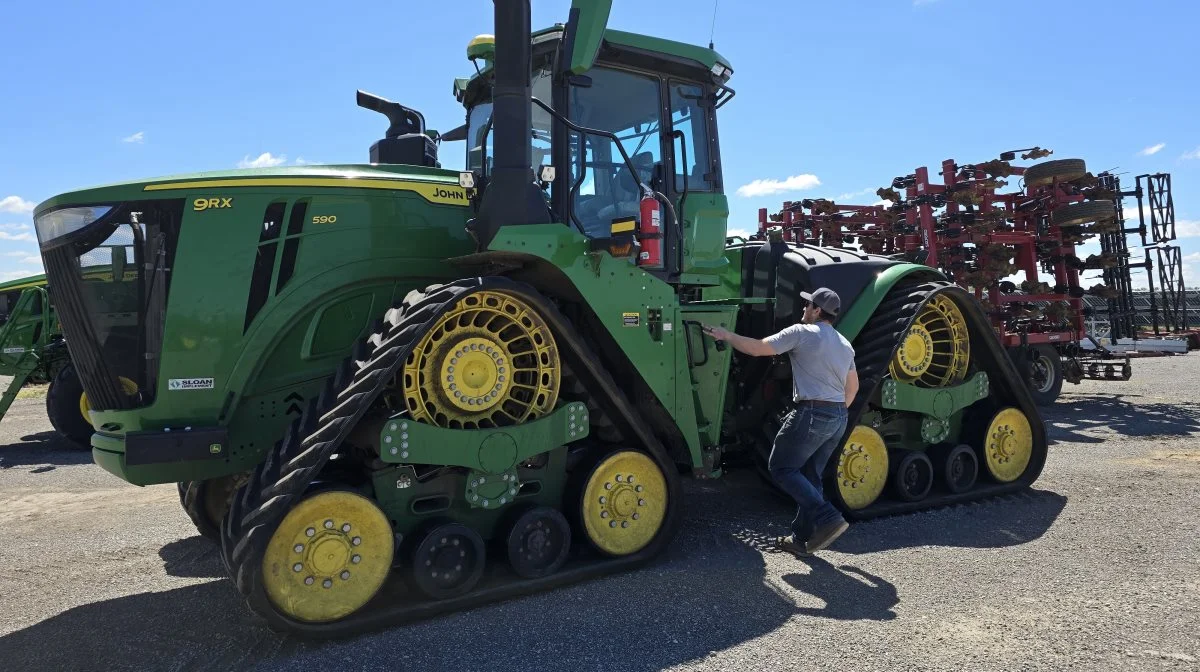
(1093, 568)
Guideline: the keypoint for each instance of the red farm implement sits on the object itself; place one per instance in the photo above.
(1019, 251)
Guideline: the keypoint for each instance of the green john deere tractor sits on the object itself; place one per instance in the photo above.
(391, 390)
(32, 350)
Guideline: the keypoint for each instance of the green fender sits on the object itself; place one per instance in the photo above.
(872, 295)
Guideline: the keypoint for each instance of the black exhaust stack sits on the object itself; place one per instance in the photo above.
(511, 195)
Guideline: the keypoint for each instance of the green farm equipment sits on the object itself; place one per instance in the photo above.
(391, 390)
(32, 350)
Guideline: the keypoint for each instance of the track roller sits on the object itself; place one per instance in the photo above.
(623, 502)
(328, 556)
(862, 468)
(1008, 445)
(913, 477)
(448, 561)
(958, 468)
(538, 542)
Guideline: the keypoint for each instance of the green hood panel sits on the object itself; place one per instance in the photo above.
(426, 181)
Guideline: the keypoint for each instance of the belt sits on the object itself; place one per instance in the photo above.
(819, 402)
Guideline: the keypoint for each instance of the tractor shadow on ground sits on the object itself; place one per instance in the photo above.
(710, 591)
(1094, 418)
(193, 558)
(44, 450)
(995, 522)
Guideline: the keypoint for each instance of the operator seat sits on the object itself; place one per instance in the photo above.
(625, 195)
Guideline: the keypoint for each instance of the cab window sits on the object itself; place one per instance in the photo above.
(689, 119)
(602, 188)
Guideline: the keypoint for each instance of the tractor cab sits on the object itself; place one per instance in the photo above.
(626, 137)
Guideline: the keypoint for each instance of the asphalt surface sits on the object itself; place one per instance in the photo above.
(1094, 568)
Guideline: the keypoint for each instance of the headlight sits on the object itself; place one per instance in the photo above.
(57, 223)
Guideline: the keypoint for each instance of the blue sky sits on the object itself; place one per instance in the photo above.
(839, 97)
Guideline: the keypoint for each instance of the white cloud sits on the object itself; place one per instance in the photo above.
(841, 198)
(1153, 149)
(767, 187)
(138, 138)
(1194, 154)
(28, 237)
(264, 160)
(1191, 269)
(16, 204)
(35, 261)
(16, 253)
(1187, 228)
(301, 161)
(14, 227)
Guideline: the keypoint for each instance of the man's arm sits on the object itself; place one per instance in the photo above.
(750, 346)
(851, 387)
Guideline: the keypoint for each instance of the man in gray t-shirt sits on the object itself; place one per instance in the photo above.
(824, 383)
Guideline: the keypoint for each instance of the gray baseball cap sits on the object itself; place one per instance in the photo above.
(824, 298)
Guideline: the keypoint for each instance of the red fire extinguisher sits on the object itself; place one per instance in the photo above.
(650, 230)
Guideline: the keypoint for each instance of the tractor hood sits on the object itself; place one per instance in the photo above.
(436, 185)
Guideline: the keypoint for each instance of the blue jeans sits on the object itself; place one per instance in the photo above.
(803, 446)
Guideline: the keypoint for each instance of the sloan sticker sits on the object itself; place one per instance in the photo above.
(190, 384)
(14, 351)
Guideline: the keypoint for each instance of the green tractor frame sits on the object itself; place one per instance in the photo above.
(391, 391)
(32, 351)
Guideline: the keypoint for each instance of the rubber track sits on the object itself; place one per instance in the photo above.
(874, 348)
(283, 477)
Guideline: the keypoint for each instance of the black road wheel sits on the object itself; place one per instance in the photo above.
(63, 407)
(206, 502)
(1044, 374)
(913, 477)
(959, 469)
(1077, 214)
(448, 561)
(1041, 174)
(538, 542)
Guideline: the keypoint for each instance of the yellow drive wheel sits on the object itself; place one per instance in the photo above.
(490, 361)
(624, 502)
(936, 349)
(129, 387)
(1008, 445)
(328, 557)
(862, 468)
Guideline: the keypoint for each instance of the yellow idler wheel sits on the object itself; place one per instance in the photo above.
(490, 361)
(129, 387)
(862, 469)
(624, 503)
(936, 349)
(1008, 445)
(328, 557)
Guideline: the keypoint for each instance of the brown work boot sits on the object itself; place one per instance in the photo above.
(792, 546)
(825, 535)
